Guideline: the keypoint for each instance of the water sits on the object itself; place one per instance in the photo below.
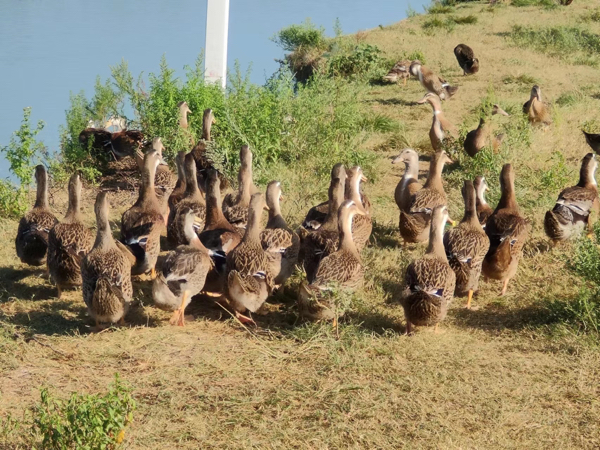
(51, 48)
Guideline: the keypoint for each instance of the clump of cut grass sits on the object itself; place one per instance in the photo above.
(439, 8)
(566, 42)
(547, 4)
(448, 23)
(571, 98)
(525, 79)
(591, 16)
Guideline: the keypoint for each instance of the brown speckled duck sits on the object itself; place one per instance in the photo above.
(400, 71)
(183, 273)
(163, 179)
(342, 269)
(32, 235)
(278, 240)
(106, 272)
(323, 241)
(571, 213)
(440, 126)
(362, 224)
(143, 223)
(431, 82)
(476, 139)
(414, 224)
(484, 211)
(249, 280)
(508, 231)
(536, 110)
(466, 246)
(317, 214)
(192, 198)
(429, 281)
(466, 59)
(68, 242)
(409, 183)
(235, 206)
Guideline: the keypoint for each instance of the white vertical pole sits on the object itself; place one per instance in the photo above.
(217, 26)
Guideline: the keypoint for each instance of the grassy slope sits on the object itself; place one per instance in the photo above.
(497, 377)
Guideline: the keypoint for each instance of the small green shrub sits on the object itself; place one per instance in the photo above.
(465, 20)
(362, 59)
(547, 4)
(13, 200)
(571, 98)
(306, 34)
(557, 176)
(84, 421)
(591, 16)
(439, 8)
(448, 24)
(570, 43)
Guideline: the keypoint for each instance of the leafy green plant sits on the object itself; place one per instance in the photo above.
(591, 16)
(523, 79)
(84, 421)
(558, 175)
(448, 24)
(361, 59)
(306, 34)
(439, 8)
(570, 98)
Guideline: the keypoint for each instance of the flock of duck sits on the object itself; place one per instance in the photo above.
(219, 248)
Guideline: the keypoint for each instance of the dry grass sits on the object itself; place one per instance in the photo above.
(503, 376)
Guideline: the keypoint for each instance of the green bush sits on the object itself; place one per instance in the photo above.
(362, 59)
(84, 421)
(448, 23)
(306, 34)
(22, 153)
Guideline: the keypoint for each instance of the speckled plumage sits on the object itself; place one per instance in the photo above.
(414, 224)
(431, 82)
(235, 207)
(400, 71)
(69, 242)
(571, 213)
(466, 246)
(507, 230)
(143, 223)
(106, 272)
(441, 128)
(429, 281)
(192, 199)
(280, 243)
(249, 278)
(32, 235)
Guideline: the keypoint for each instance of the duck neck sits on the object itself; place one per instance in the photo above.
(470, 216)
(434, 178)
(435, 247)
(147, 192)
(508, 200)
(214, 211)
(276, 220)
(206, 126)
(74, 209)
(180, 183)
(480, 197)
(41, 196)
(245, 181)
(353, 191)
(183, 119)
(252, 233)
(190, 233)
(104, 239)
(331, 220)
(345, 230)
(587, 176)
(412, 171)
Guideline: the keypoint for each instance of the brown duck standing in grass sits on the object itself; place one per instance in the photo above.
(32, 235)
(400, 71)
(571, 213)
(414, 224)
(277, 239)
(192, 198)
(249, 279)
(440, 126)
(163, 180)
(466, 59)
(409, 183)
(342, 269)
(362, 224)
(68, 242)
(106, 272)
(317, 214)
(429, 281)
(431, 82)
(476, 139)
(508, 231)
(143, 223)
(317, 244)
(466, 246)
(536, 110)
(183, 273)
(484, 211)
(235, 205)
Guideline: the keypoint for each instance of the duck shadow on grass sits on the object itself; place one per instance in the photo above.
(52, 318)
(395, 102)
(385, 236)
(13, 285)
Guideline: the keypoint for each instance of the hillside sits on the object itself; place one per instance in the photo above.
(513, 373)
